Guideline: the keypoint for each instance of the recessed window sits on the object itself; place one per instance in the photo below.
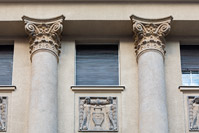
(190, 64)
(97, 65)
(6, 63)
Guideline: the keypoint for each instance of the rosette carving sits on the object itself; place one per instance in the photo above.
(149, 34)
(44, 34)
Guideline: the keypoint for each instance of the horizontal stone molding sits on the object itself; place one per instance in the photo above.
(188, 88)
(39, 1)
(7, 88)
(98, 88)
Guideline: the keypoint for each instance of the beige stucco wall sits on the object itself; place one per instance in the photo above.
(99, 11)
(66, 71)
(173, 81)
(22, 80)
(129, 78)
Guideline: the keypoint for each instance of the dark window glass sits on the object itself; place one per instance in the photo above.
(190, 64)
(97, 65)
(6, 63)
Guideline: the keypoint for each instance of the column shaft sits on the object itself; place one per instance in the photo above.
(152, 94)
(43, 103)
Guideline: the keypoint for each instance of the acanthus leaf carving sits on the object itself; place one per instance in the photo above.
(149, 34)
(45, 34)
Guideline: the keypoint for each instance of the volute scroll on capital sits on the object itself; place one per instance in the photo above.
(45, 34)
(149, 34)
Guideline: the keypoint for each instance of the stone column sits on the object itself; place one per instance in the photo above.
(149, 44)
(44, 49)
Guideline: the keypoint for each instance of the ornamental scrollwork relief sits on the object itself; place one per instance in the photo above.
(3, 113)
(149, 34)
(98, 114)
(193, 106)
(44, 34)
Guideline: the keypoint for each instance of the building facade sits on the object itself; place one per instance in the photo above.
(99, 66)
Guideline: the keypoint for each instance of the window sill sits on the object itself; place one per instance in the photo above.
(188, 88)
(97, 88)
(7, 88)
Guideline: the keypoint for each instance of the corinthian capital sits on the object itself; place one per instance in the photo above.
(149, 34)
(44, 34)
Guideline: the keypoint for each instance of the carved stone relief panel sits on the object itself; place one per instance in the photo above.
(98, 114)
(193, 105)
(3, 113)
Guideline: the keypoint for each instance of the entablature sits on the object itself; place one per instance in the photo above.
(101, 28)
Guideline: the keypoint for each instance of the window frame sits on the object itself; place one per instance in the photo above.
(97, 43)
(189, 70)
